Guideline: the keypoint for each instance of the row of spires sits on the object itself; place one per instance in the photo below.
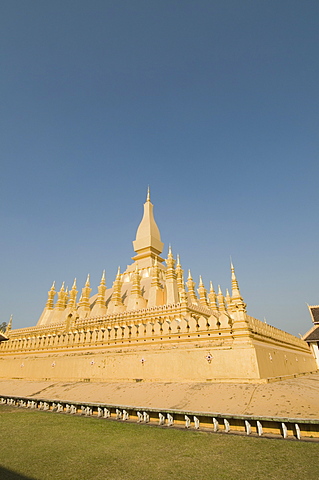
(175, 291)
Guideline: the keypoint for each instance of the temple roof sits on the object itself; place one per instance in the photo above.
(314, 312)
(3, 338)
(312, 335)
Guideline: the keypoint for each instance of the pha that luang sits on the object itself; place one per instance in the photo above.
(151, 325)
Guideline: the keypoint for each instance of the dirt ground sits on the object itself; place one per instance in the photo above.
(294, 398)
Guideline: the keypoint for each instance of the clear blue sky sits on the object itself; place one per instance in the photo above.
(214, 104)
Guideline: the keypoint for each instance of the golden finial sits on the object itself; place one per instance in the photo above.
(87, 283)
(148, 198)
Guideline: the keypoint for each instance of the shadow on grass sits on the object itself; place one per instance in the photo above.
(6, 474)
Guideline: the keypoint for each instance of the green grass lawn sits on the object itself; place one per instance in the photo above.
(46, 445)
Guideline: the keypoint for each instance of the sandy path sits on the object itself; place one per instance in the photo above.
(295, 398)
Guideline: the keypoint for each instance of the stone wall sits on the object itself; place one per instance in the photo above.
(164, 344)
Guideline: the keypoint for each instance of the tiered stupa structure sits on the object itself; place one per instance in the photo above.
(151, 325)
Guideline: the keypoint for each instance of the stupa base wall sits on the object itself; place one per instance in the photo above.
(174, 362)
(280, 362)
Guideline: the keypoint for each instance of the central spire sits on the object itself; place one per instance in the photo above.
(148, 244)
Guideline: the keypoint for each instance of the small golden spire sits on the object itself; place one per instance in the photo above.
(60, 304)
(51, 295)
(100, 301)
(66, 296)
(148, 198)
(136, 282)
(170, 262)
(237, 299)
(179, 276)
(72, 296)
(116, 298)
(172, 295)
(202, 292)
(156, 292)
(221, 300)
(227, 298)
(136, 301)
(84, 302)
(212, 298)
(191, 288)
(183, 295)
(155, 272)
